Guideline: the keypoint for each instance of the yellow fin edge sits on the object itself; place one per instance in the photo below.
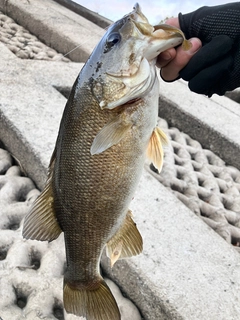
(94, 301)
(127, 242)
(155, 147)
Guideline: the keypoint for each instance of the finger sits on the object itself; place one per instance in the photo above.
(173, 22)
(165, 57)
(171, 71)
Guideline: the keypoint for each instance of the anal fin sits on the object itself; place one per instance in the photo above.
(41, 223)
(127, 242)
(155, 147)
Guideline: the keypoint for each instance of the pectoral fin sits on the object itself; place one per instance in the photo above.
(112, 133)
(127, 241)
(41, 223)
(155, 147)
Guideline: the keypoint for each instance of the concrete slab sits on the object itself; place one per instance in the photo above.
(86, 13)
(186, 270)
(52, 23)
(31, 99)
(213, 122)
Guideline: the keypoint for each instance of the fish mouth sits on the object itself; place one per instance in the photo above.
(156, 38)
(139, 75)
(160, 37)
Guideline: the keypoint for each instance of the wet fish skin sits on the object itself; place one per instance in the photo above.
(108, 123)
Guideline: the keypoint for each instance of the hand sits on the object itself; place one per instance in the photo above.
(214, 68)
(173, 60)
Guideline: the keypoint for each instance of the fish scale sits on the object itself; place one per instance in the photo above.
(107, 129)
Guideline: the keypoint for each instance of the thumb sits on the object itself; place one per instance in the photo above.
(173, 22)
(171, 71)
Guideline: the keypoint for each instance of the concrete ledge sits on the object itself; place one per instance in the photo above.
(214, 122)
(31, 109)
(186, 270)
(56, 26)
(86, 13)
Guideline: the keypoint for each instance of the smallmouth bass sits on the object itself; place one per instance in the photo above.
(108, 127)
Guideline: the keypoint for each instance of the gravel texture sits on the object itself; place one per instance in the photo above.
(23, 44)
(202, 181)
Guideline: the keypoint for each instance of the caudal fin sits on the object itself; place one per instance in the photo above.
(94, 302)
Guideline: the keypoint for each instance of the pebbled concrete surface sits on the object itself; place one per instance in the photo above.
(31, 272)
(213, 122)
(186, 270)
(52, 23)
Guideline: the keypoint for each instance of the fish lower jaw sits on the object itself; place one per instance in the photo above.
(133, 101)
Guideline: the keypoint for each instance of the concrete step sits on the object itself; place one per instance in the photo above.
(186, 271)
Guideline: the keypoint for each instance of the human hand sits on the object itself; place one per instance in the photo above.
(215, 68)
(172, 61)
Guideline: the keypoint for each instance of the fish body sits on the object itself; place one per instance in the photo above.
(108, 125)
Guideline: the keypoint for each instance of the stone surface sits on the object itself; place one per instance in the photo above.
(186, 270)
(31, 272)
(203, 182)
(213, 122)
(23, 44)
(30, 99)
(51, 23)
(90, 15)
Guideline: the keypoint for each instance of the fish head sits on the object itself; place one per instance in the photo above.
(123, 63)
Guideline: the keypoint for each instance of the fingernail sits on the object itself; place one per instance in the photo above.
(196, 45)
(165, 56)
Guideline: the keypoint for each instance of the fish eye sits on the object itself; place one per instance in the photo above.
(113, 38)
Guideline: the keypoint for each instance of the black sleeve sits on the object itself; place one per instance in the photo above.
(215, 68)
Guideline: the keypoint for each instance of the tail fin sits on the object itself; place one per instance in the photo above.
(94, 302)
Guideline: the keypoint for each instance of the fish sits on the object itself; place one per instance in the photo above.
(108, 128)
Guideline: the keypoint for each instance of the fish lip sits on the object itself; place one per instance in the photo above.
(168, 32)
(172, 33)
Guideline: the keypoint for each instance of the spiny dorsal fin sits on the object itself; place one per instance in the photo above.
(112, 133)
(127, 242)
(155, 148)
(94, 301)
(41, 223)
